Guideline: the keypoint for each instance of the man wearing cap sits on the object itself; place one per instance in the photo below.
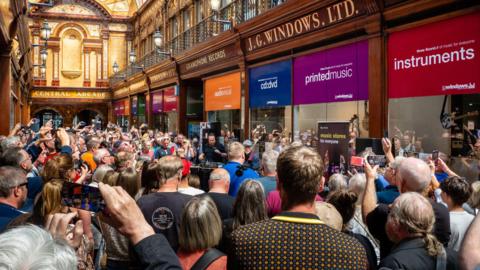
(251, 158)
(183, 186)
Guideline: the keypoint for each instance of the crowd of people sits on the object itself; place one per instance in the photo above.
(278, 208)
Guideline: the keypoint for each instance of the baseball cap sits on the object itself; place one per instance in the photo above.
(186, 167)
(247, 143)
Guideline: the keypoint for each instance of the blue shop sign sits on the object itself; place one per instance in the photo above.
(270, 85)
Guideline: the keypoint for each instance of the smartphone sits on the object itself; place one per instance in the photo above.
(356, 161)
(82, 197)
(435, 155)
(379, 160)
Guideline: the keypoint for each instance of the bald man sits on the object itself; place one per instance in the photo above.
(219, 185)
(413, 175)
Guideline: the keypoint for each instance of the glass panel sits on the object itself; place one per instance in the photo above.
(229, 119)
(194, 102)
(307, 118)
(269, 120)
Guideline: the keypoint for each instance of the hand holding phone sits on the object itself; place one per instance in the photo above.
(357, 161)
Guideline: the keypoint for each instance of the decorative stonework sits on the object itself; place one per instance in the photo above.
(71, 9)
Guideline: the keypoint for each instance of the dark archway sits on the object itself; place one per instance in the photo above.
(45, 115)
(89, 117)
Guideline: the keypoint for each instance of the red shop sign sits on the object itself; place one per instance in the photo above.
(441, 58)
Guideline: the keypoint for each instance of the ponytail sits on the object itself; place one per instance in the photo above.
(432, 245)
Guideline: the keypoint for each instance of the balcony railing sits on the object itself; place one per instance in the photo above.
(237, 12)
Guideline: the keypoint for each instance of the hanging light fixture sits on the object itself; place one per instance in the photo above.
(158, 39)
(115, 67)
(45, 30)
(43, 70)
(132, 57)
(215, 4)
(44, 55)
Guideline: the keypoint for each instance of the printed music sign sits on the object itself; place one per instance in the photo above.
(435, 59)
(333, 75)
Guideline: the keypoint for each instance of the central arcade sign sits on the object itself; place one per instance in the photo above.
(316, 20)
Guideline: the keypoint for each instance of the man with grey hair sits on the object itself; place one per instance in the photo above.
(219, 184)
(389, 193)
(9, 142)
(13, 194)
(413, 175)
(337, 182)
(163, 209)
(409, 225)
(31, 247)
(103, 157)
(269, 171)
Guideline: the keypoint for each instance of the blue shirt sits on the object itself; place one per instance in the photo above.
(388, 195)
(236, 181)
(269, 183)
(441, 176)
(7, 214)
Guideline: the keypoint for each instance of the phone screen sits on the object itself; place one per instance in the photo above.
(82, 197)
(356, 161)
(434, 155)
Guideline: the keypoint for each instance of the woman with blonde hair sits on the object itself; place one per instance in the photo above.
(200, 231)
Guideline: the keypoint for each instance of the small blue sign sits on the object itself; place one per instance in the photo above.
(271, 85)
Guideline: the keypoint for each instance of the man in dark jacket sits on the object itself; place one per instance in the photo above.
(409, 226)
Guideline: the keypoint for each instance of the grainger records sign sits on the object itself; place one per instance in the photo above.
(441, 58)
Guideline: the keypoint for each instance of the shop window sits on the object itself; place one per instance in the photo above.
(306, 118)
(229, 119)
(271, 120)
(416, 125)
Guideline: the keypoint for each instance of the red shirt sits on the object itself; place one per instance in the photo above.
(187, 260)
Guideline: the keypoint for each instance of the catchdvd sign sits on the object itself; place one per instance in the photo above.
(333, 75)
(270, 85)
(435, 59)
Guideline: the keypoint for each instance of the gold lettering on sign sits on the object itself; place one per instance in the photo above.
(205, 60)
(70, 94)
(163, 75)
(138, 85)
(314, 21)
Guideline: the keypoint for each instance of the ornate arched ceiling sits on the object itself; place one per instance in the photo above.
(109, 8)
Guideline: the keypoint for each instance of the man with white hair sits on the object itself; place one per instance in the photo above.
(103, 157)
(219, 185)
(269, 171)
(389, 193)
(409, 226)
(413, 175)
(31, 247)
(238, 171)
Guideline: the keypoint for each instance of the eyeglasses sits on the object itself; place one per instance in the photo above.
(21, 185)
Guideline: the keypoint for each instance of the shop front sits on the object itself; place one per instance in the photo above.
(331, 85)
(165, 109)
(270, 99)
(223, 95)
(434, 91)
(138, 110)
(122, 112)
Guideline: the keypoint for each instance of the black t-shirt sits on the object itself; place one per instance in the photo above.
(224, 203)
(377, 219)
(369, 249)
(211, 155)
(163, 211)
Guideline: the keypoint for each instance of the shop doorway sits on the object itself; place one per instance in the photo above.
(89, 117)
(48, 114)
